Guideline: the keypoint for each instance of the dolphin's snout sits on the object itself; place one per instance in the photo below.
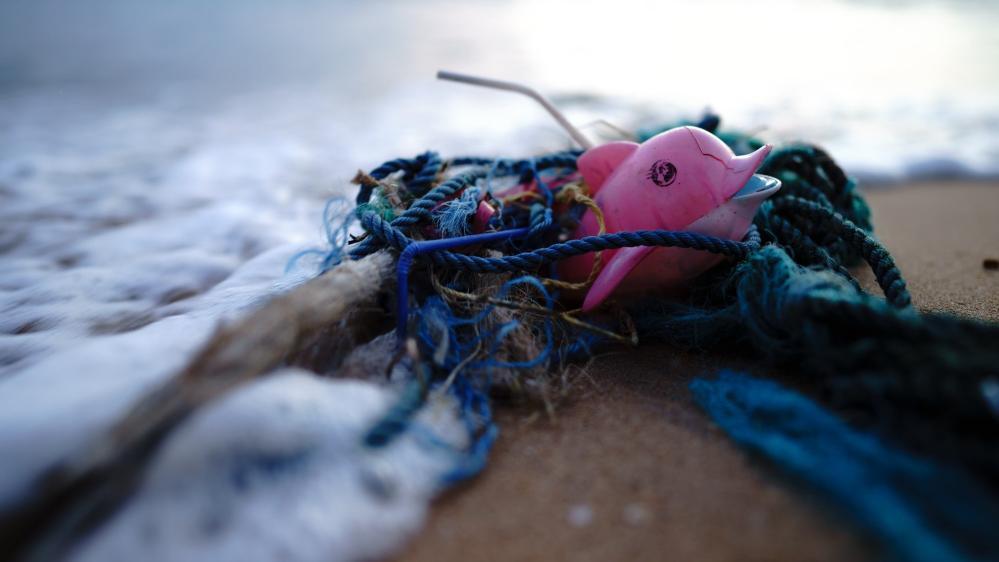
(747, 200)
(742, 168)
(758, 188)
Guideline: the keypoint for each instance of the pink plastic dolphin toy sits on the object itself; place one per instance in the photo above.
(682, 179)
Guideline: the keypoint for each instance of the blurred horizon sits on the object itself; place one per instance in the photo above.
(897, 89)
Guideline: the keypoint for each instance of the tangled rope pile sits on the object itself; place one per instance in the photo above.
(923, 379)
(786, 294)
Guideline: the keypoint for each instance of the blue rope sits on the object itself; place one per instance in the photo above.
(531, 260)
(414, 249)
(477, 415)
(396, 421)
(337, 237)
(437, 322)
(419, 212)
(920, 510)
(507, 328)
(454, 218)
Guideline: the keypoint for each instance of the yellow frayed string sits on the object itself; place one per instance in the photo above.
(576, 192)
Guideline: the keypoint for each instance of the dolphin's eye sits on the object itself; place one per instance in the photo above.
(662, 173)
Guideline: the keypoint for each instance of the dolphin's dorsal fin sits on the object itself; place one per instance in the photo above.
(597, 163)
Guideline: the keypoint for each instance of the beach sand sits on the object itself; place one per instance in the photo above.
(631, 469)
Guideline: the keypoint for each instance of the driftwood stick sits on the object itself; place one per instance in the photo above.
(73, 498)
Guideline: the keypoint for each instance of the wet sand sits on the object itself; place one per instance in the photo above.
(631, 469)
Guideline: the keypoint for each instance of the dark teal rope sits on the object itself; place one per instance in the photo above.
(397, 419)
(921, 510)
(887, 274)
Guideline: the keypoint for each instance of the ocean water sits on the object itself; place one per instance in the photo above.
(895, 89)
(161, 161)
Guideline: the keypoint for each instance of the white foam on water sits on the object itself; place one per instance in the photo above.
(276, 471)
(128, 237)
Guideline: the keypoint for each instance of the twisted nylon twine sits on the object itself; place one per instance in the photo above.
(533, 259)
